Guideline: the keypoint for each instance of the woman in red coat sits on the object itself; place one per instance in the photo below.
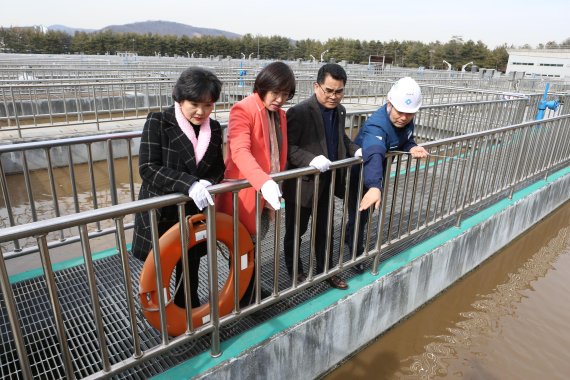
(257, 147)
(257, 143)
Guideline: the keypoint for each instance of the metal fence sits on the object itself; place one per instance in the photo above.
(42, 180)
(459, 174)
(81, 102)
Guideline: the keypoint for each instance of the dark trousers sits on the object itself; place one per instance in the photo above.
(194, 255)
(321, 234)
(353, 204)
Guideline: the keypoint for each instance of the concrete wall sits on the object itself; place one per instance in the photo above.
(319, 342)
(79, 105)
(12, 162)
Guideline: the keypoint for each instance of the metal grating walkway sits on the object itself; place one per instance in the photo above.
(38, 326)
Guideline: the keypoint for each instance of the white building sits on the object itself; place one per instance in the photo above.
(536, 63)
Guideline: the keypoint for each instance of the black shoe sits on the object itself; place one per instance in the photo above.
(301, 277)
(337, 282)
(359, 268)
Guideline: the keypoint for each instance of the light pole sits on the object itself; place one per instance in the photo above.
(323, 53)
(258, 46)
(133, 45)
(430, 59)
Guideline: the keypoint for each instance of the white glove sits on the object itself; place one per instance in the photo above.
(205, 182)
(271, 193)
(200, 195)
(320, 162)
(358, 153)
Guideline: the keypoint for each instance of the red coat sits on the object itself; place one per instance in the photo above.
(247, 155)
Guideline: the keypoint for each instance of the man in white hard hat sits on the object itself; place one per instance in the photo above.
(390, 128)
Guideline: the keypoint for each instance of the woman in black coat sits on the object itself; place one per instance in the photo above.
(180, 152)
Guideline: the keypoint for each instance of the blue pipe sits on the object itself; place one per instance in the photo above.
(543, 104)
(242, 73)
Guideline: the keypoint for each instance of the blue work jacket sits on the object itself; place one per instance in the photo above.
(378, 136)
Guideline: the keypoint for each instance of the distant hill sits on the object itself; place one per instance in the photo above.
(168, 28)
(69, 30)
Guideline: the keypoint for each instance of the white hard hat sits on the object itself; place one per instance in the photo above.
(405, 95)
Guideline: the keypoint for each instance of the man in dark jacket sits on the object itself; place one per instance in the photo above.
(390, 128)
(316, 135)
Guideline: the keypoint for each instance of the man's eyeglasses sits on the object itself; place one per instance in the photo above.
(330, 91)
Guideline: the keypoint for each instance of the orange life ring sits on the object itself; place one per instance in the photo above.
(170, 254)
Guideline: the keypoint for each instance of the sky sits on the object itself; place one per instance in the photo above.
(494, 22)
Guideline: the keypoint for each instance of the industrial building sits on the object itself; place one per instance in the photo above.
(537, 63)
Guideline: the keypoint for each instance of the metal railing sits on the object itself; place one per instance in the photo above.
(434, 122)
(78, 102)
(47, 179)
(460, 173)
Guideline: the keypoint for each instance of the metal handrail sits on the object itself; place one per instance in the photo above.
(461, 172)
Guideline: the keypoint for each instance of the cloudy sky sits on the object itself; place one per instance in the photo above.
(494, 22)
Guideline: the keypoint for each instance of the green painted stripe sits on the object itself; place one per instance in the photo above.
(32, 273)
(238, 344)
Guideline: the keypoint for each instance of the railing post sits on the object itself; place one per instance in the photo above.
(56, 307)
(14, 319)
(95, 303)
(111, 169)
(95, 108)
(122, 245)
(213, 279)
(7, 203)
(18, 126)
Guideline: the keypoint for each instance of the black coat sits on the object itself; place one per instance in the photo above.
(306, 140)
(167, 165)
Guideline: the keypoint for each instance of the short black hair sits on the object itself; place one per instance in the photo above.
(277, 77)
(197, 84)
(334, 70)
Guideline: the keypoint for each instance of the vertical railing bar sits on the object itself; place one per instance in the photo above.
(382, 220)
(56, 306)
(257, 271)
(398, 159)
(28, 183)
(95, 303)
(404, 194)
(92, 181)
(450, 157)
(111, 171)
(443, 152)
(213, 279)
(72, 179)
(95, 107)
(297, 234)
(330, 225)
(13, 318)
(414, 194)
(431, 188)
(161, 289)
(130, 164)
(8, 203)
(53, 189)
(121, 243)
(236, 258)
(184, 243)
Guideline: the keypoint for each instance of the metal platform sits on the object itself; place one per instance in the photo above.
(40, 336)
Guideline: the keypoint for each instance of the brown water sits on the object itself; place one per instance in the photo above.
(506, 320)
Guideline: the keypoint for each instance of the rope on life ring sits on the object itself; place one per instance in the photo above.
(170, 254)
